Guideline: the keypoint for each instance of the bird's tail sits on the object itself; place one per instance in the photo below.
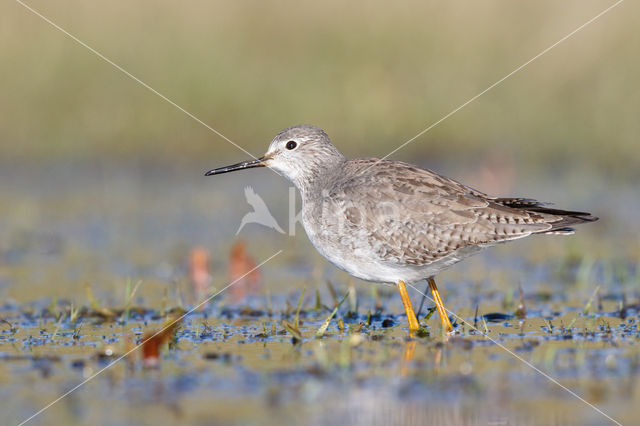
(560, 220)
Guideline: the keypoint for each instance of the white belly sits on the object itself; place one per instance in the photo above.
(363, 263)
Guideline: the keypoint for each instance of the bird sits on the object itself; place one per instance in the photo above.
(260, 214)
(389, 221)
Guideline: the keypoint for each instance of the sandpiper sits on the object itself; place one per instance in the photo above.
(389, 221)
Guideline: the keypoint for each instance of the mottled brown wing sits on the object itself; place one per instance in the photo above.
(415, 216)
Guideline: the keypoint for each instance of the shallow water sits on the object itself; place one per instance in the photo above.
(71, 228)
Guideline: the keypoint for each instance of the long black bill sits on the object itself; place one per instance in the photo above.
(259, 162)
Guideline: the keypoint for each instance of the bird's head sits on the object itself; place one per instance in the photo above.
(300, 153)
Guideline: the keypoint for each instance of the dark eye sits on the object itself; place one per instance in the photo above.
(291, 145)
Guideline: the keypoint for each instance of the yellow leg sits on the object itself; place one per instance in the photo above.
(411, 316)
(446, 324)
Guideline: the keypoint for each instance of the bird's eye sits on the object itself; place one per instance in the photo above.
(291, 145)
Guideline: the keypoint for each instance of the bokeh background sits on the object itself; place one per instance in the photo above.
(372, 75)
(101, 180)
(99, 163)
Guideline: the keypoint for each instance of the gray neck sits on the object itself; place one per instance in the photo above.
(319, 172)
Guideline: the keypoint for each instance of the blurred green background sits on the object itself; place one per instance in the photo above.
(373, 75)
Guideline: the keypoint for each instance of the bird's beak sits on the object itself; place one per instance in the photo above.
(258, 162)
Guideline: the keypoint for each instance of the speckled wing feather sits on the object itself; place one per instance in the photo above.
(413, 216)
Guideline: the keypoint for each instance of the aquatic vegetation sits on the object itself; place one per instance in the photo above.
(325, 324)
(308, 342)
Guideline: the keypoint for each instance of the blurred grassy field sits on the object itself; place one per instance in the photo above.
(372, 75)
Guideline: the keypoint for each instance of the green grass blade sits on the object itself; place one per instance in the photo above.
(326, 322)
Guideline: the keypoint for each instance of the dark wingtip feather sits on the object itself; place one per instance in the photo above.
(521, 203)
(566, 218)
(561, 231)
(574, 217)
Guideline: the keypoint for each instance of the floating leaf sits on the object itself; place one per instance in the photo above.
(151, 343)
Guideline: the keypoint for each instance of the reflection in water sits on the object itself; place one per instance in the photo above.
(407, 356)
